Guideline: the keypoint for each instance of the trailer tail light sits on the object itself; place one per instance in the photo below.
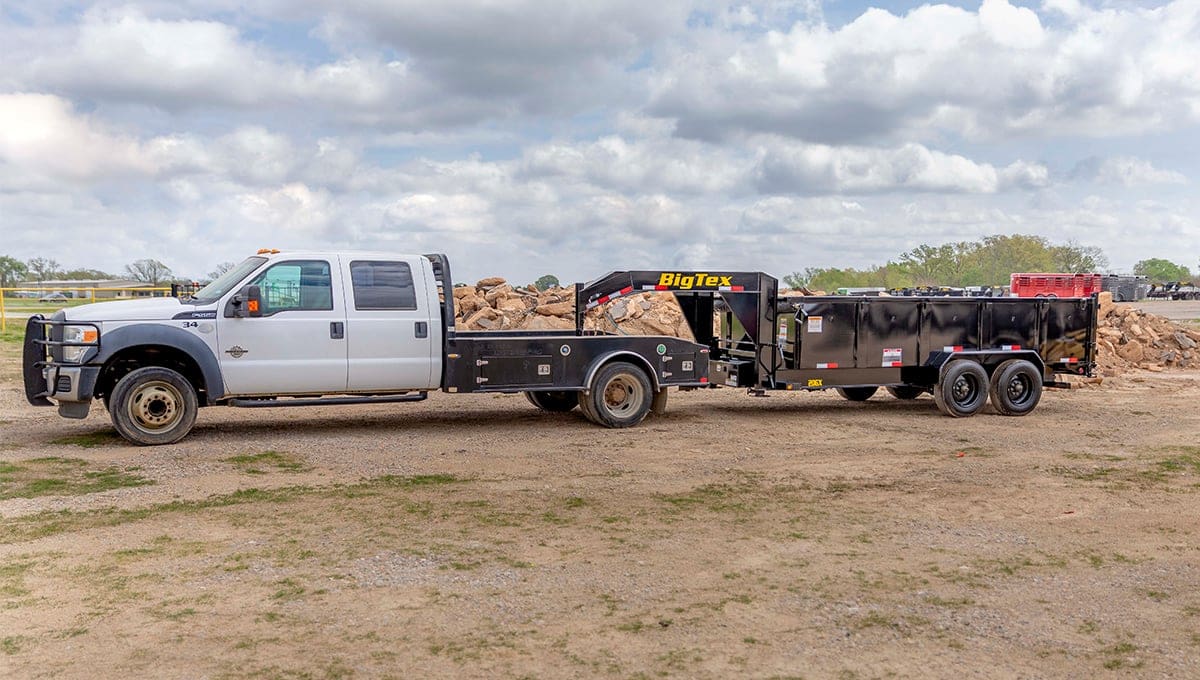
(952, 348)
(703, 380)
(832, 365)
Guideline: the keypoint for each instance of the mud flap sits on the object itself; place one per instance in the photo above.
(659, 405)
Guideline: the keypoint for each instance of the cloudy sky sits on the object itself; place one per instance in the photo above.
(525, 137)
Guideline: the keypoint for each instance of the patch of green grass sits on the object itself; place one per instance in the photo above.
(289, 589)
(257, 463)
(1157, 595)
(1118, 656)
(53, 522)
(11, 644)
(56, 476)
(89, 440)
(1088, 627)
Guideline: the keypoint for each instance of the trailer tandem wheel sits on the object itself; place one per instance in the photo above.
(1016, 387)
(963, 389)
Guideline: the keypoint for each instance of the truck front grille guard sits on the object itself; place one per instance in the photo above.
(38, 352)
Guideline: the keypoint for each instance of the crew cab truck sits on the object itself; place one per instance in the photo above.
(966, 351)
(299, 329)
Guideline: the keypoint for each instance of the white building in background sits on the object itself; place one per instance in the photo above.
(98, 289)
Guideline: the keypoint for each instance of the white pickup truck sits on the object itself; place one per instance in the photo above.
(311, 328)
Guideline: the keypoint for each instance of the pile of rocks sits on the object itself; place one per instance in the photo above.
(1130, 338)
(493, 304)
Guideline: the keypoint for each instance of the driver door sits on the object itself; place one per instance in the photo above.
(298, 345)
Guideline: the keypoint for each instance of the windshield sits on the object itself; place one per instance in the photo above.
(225, 282)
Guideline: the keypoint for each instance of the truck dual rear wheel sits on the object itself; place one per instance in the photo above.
(153, 405)
(556, 401)
(1016, 387)
(620, 396)
(963, 389)
(857, 393)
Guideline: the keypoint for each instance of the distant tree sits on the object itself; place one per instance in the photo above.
(86, 275)
(220, 269)
(148, 271)
(546, 282)
(12, 270)
(43, 268)
(1073, 258)
(1159, 270)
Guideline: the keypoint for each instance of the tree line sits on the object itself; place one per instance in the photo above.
(987, 262)
(14, 272)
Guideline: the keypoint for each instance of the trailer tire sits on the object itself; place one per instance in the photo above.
(857, 393)
(556, 401)
(906, 392)
(620, 396)
(963, 389)
(1016, 387)
(153, 405)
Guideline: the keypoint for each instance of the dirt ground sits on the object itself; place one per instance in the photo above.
(788, 536)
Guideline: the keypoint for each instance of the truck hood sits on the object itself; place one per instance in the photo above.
(145, 309)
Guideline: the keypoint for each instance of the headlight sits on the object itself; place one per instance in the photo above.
(87, 334)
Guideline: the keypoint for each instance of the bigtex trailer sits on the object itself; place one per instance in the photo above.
(964, 351)
(322, 328)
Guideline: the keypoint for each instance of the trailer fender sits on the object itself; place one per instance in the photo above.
(990, 359)
(634, 358)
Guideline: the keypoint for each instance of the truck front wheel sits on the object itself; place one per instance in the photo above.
(153, 405)
(619, 396)
(555, 402)
(963, 389)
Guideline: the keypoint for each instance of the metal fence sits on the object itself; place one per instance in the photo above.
(24, 302)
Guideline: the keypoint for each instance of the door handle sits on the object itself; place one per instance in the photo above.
(337, 330)
(422, 328)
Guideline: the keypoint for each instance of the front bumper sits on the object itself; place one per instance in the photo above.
(70, 385)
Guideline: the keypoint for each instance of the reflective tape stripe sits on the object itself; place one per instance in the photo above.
(952, 348)
(1010, 348)
(833, 365)
(892, 364)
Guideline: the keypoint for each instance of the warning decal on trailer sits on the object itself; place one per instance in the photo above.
(814, 324)
(892, 357)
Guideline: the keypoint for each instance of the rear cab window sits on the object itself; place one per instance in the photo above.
(382, 285)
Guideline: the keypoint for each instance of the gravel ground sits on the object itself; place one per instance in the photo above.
(472, 536)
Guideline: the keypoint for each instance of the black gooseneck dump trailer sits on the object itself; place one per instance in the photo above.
(965, 351)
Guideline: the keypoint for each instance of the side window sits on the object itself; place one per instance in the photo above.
(296, 285)
(382, 285)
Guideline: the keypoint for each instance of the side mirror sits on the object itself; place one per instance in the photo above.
(248, 302)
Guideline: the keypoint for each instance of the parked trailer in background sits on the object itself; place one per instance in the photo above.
(1055, 285)
(1126, 288)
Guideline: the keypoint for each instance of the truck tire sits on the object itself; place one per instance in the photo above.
(857, 393)
(153, 405)
(906, 392)
(556, 401)
(963, 389)
(620, 396)
(1016, 387)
